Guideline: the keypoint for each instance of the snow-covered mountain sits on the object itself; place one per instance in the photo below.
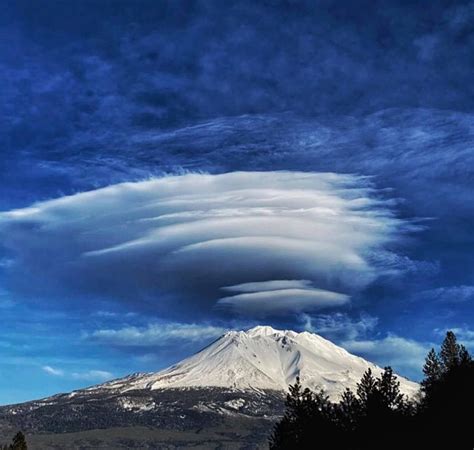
(262, 358)
(229, 395)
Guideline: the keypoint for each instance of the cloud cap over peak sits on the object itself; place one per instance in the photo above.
(257, 242)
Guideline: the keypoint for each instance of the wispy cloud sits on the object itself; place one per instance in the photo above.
(464, 334)
(447, 294)
(114, 314)
(156, 335)
(339, 326)
(52, 371)
(92, 375)
(405, 355)
(87, 375)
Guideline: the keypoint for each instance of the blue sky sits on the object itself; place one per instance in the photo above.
(368, 110)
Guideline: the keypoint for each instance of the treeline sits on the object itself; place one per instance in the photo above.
(378, 415)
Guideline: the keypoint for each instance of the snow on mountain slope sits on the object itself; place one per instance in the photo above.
(262, 358)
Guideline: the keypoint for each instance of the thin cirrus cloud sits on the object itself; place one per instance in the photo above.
(52, 371)
(404, 355)
(156, 335)
(447, 294)
(88, 375)
(91, 375)
(258, 243)
(339, 326)
(464, 334)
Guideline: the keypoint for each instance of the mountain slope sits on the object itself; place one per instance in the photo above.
(261, 358)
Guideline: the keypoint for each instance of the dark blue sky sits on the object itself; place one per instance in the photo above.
(95, 93)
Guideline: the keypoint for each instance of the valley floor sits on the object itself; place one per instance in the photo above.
(238, 433)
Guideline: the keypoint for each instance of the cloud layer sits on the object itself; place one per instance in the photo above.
(447, 294)
(405, 355)
(253, 242)
(87, 375)
(339, 326)
(156, 334)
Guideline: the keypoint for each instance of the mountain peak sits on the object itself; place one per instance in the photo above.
(267, 331)
(263, 330)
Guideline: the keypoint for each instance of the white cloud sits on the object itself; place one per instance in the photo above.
(464, 335)
(89, 375)
(92, 375)
(339, 326)
(178, 241)
(114, 314)
(283, 301)
(405, 355)
(271, 285)
(448, 294)
(157, 335)
(272, 296)
(52, 371)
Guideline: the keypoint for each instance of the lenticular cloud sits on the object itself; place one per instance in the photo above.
(245, 242)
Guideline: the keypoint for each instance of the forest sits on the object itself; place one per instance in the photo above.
(378, 415)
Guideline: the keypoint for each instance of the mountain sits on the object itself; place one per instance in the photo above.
(230, 393)
(262, 358)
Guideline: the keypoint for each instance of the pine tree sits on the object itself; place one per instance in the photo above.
(19, 442)
(432, 370)
(450, 352)
(465, 358)
(389, 389)
(305, 412)
(449, 395)
(348, 411)
(366, 387)
(291, 429)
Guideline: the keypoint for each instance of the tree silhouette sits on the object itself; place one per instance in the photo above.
(432, 371)
(378, 415)
(348, 411)
(347, 424)
(366, 387)
(18, 443)
(305, 411)
(448, 394)
(389, 389)
(450, 352)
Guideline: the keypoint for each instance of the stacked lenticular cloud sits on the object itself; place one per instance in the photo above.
(247, 242)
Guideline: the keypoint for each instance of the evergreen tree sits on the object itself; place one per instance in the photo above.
(366, 387)
(348, 410)
(464, 356)
(382, 410)
(380, 416)
(389, 389)
(450, 352)
(448, 395)
(305, 412)
(347, 417)
(19, 442)
(291, 429)
(432, 371)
